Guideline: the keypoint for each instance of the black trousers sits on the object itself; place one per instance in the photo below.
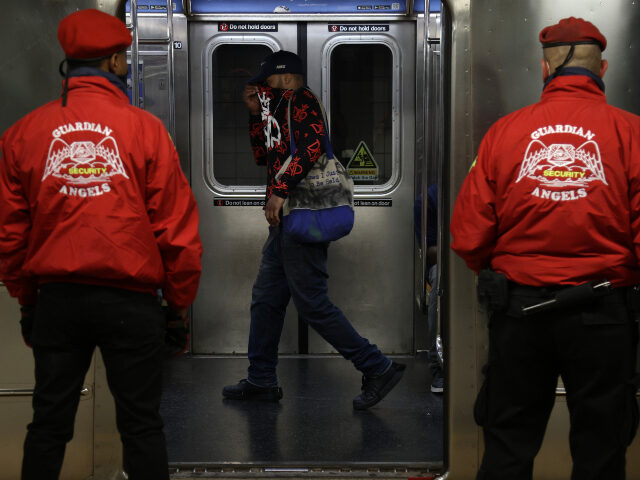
(593, 349)
(128, 327)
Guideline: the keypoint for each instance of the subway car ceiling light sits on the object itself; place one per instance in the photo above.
(286, 6)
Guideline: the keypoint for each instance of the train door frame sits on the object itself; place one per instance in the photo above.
(251, 215)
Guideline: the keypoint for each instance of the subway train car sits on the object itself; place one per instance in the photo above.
(410, 87)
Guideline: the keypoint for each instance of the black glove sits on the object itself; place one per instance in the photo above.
(27, 315)
(176, 340)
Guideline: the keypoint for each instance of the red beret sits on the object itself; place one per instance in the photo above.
(570, 31)
(92, 34)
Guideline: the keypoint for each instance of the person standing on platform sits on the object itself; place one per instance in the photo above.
(95, 217)
(549, 216)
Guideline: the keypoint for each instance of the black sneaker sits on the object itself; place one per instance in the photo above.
(244, 390)
(437, 382)
(375, 389)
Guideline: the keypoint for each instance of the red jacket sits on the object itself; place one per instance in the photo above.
(93, 193)
(553, 197)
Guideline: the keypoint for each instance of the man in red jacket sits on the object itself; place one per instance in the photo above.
(552, 207)
(95, 217)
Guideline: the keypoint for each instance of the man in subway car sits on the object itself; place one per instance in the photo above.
(95, 217)
(290, 269)
(549, 216)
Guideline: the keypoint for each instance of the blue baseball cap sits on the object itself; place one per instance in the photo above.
(276, 63)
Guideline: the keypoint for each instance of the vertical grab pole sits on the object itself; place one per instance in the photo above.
(170, 73)
(440, 119)
(135, 81)
(426, 63)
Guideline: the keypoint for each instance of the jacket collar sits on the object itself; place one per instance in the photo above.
(576, 83)
(96, 72)
(96, 84)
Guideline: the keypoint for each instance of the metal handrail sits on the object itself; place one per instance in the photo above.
(168, 40)
(171, 70)
(27, 392)
(135, 92)
(426, 63)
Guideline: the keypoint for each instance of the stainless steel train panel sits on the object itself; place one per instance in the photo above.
(429, 147)
(367, 81)
(554, 459)
(223, 169)
(153, 57)
(508, 75)
(29, 34)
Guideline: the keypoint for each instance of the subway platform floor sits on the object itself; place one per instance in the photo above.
(313, 426)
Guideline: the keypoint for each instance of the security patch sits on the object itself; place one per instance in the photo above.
(564, 170)
(87, 162)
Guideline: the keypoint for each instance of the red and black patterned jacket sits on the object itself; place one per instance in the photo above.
(269, 131)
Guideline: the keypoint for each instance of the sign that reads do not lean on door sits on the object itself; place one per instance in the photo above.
(362, 166)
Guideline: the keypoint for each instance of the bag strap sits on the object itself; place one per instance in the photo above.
(327, 146)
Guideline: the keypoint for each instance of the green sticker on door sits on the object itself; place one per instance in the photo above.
(362, 166)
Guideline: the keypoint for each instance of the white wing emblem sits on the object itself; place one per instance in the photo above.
(108, 149)
(531, 160)
(562, 164)
(589, 154)
(84, 162)
(59, 150)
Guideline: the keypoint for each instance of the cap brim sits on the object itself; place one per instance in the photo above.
(259, 78)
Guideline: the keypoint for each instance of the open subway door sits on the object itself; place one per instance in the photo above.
(362, 66)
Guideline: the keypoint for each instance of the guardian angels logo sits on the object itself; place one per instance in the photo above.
(83, 164)
(563, 168)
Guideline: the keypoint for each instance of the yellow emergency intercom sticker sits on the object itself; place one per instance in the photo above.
(362, 166)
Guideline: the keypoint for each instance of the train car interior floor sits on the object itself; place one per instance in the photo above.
(313, 425)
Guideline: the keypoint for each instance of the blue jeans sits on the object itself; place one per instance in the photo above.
(291, 269)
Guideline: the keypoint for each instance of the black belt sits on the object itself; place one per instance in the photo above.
(553, 297)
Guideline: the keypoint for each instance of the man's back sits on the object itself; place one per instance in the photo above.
(552, 181)
(95, 217)
(97, 175)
